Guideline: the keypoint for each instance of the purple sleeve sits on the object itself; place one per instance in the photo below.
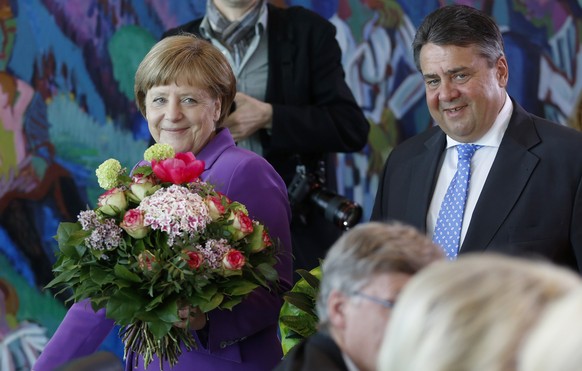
(257, 185)
(80, 333)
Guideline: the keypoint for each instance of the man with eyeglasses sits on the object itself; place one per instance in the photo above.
(362, 274)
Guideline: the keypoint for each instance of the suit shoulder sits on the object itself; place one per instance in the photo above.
(190, 27)
(418, 141)
(300, 17)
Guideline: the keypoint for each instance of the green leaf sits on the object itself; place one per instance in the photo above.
(168, 312)
(154, 303)
(123, 306)
(70, 236)
(65, 230)
(242, 288)
(309, 278)
(122, 272)
(212, 304)
(63, 278)
(229, 304)
(300, 300)
(268, 271)
(304, 326)
(100, 276)
(159, 328)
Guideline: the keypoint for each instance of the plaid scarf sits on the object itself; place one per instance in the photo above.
(237, 35)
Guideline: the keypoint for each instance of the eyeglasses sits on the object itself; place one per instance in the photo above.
(383, 302)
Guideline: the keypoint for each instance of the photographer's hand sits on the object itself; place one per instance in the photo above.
(250, 115)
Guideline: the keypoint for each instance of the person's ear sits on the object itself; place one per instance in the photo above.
(217, 109)
(502, 71)
(336, 309)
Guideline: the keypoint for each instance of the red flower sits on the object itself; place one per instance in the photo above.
(215, 207)
(233, 260)
(183, 168)
(146, 261)
(266, 239)
(195, 259)
(133, 223)
(241, 225)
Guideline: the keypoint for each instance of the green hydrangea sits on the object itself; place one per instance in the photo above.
(108, 174)
(159, 152)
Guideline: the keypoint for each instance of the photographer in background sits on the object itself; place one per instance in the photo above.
(293, 106)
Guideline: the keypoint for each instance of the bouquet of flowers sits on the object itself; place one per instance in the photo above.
(159, 239)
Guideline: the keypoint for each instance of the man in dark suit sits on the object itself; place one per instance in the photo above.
(293, 106)
(525, 188)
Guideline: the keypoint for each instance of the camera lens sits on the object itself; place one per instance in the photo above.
(341, 211)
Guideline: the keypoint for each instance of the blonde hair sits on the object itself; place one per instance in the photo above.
(555, 341)
(469, 314)
(186, 57)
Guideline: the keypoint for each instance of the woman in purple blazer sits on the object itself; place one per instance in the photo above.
(185, 87)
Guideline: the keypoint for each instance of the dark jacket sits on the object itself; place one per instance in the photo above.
(317, 352)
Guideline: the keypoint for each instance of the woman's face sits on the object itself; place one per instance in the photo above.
(182, 116)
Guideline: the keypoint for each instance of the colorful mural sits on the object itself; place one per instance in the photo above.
(66, 105)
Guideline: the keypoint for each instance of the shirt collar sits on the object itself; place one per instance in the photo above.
(494, 135)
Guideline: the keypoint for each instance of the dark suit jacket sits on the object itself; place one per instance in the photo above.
(317, 352)
(531, 203)
(314, 111)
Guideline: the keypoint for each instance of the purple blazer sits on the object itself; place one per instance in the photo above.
(242, 339)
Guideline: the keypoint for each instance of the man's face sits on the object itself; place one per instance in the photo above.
(358, 327)
(463, 93)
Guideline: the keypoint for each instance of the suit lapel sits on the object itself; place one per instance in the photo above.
(423, 175)
(509, 174)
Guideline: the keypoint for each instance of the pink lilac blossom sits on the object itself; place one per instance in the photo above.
(105, 236)
(175, 210)
(213, 252)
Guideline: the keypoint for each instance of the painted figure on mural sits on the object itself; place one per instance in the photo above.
(20, 342)
(32, 184)
(375, 38)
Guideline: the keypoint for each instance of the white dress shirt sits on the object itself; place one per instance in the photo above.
(480, 166)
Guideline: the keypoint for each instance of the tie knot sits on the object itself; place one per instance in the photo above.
(466, 151)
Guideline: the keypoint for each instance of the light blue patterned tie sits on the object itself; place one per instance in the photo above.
(447, 232)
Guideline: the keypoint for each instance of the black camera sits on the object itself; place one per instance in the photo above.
(339, 210)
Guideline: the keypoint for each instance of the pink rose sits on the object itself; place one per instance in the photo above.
(112, 202)
(241, 225)
(146, 261)
(233, 260)
(183, 168)
(259, 239)
(141, 186)
(194, 260)
(133, 224)
(215, 207)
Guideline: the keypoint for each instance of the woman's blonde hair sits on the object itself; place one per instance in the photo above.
(186, 57)
(470, 314)
(555, 341)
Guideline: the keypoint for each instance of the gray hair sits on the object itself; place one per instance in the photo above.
(463, 26)
(370, 249)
